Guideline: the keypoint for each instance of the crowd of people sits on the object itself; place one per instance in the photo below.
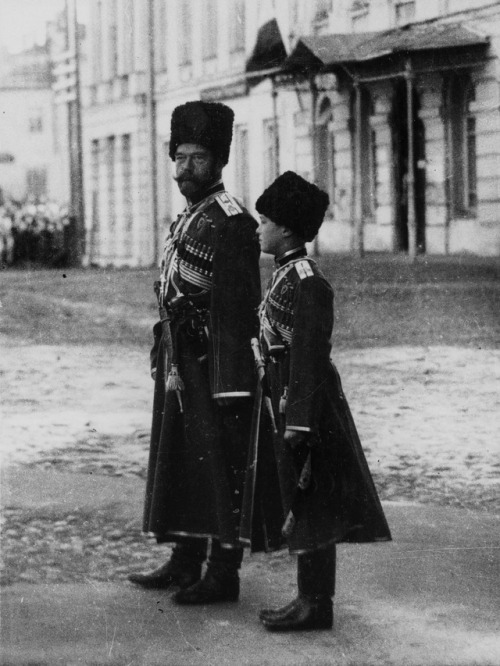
(34, 234)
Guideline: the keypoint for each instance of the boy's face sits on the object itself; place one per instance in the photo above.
(270, 236)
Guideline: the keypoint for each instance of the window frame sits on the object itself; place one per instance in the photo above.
(269, 142)
(462, 146)
(209, 36)
(398, 4)
(185, 34)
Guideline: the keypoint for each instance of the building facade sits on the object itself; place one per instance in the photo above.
(29, 143)
(392, 106)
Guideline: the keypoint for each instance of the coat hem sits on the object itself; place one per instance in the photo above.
(193, 535)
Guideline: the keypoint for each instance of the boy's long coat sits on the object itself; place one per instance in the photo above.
(197, 458)
(341, 503)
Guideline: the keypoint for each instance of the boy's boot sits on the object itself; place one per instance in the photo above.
(313, 608)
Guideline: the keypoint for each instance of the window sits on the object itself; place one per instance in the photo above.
(110, 172)
(325, 151)
(94, 174)
(241, 154)
(166, 189)
(185, 32)
(322, 10)
(404, 11)
(35, 121)
(160, 31)
(128, 37)
(97, 55)
(462, 151)
(270, 166)
(36, 183)
(237, 26)
(113, 41)
(209, 35)
(368, 156)
(359, 14)
(127, 195)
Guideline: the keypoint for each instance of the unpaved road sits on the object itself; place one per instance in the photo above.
(428, 417)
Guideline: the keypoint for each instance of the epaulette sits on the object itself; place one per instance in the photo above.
(304, 269)
(228, 204)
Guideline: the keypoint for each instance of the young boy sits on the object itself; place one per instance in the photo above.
(308, 484)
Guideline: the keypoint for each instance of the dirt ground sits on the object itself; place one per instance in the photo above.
(428, 417)
(416, 345)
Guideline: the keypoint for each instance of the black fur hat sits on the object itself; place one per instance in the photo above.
(292, 202)
(210, 124)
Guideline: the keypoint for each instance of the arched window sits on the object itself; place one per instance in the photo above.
(325, 151)
(462, 146)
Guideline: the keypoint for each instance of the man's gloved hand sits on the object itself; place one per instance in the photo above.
(294, 438)
(153, 374)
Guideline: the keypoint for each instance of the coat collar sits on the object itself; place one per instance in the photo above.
(286, 257)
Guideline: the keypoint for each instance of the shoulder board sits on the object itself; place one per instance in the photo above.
(304, 269)
(228, 204)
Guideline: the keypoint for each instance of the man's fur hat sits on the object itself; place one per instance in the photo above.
(210, 124)
(292, 202)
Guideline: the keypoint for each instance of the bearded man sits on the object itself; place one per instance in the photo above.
(208, 294)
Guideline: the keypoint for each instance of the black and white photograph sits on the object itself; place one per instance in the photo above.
(250, 332)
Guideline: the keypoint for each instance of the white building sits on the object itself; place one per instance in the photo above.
(29, 142)
(392, 106)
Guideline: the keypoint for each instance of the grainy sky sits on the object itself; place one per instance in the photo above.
(22, 22)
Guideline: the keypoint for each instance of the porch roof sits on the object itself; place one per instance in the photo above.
(325, 52)
(269, 50)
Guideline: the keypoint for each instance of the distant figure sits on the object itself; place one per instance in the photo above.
(308, 485)
(208, 294)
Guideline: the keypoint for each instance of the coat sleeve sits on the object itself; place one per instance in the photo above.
(234, 304)
(309, 353)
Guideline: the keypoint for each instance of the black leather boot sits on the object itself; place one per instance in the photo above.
(313, 608)
(221, 581)
(304, 614)
(182, 570)
(277, 613)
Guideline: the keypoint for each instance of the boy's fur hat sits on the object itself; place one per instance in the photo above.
(292, 202)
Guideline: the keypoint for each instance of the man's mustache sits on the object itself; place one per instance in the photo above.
(184, 177)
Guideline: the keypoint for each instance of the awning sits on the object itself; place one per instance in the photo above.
(269, 50)
(325, 52)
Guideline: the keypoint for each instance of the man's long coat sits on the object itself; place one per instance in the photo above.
(198, 456)
(341, 502)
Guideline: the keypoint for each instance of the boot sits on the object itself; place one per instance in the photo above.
(313, 608)
(182, 570)
(303, 614)
(278, 613)
(221, 581)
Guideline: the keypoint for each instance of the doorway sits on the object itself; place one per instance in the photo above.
(399, 124)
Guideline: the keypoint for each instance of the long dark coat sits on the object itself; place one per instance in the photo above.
(341, 502)
(198, 457)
